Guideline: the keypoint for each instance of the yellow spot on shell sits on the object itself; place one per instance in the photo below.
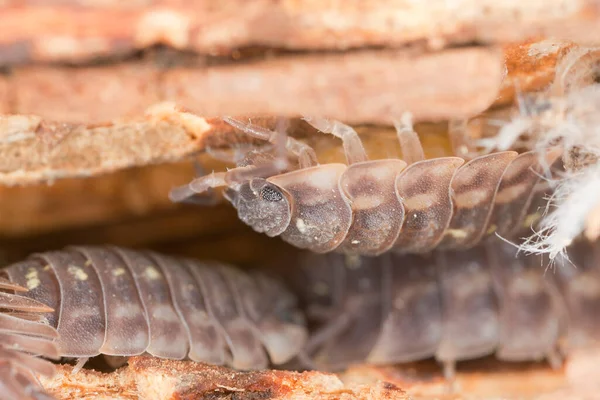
(77, 272)
(367, 202)
(33, 280)
(492, 229)
(118, 271)
(457, 233)
(152, 273)
(352, 261)
(300, 225)
(531, 219)
(320, 288)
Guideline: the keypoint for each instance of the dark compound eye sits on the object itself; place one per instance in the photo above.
(271, 194)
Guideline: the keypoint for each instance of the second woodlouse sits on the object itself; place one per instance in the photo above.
(120, 302)
(449, 305)
(370, 207)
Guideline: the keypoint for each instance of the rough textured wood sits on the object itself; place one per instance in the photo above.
(147, 379)
(76, 30)
(33, 150)
(358, 87)
(354, 88)
(364, 86)
(530, 67)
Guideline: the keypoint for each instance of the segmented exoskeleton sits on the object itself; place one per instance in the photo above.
(114, 301)
(22, 338)
(451, 305)
(370, 207)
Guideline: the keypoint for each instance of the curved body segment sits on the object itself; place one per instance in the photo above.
(451, 305)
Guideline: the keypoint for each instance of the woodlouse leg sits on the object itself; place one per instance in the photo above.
(208, 198)
(579, 282)
(239, 175)
(354, 330)
(333, 328)
(459, 138)
(115, 362)
(470, 326)
(304, 361)
(199, 185)
(79, 365)
(413, 321)
(306, 155)
(412, 150)
(531, 318)
(353, 147)
(449, 371)
(239, 153)
(324, 293)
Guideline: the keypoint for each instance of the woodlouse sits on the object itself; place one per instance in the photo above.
(22, 337)
(451, 305)
(115, 301)
(369, 207)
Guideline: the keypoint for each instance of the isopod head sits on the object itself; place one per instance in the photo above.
(262, 205)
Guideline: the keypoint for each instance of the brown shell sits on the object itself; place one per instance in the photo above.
(121, 302)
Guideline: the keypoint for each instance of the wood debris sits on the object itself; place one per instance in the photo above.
(150, 378)
(33, 150)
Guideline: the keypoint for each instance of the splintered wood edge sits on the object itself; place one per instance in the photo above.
(33, 150)
(76, 30)
(151, 378)
(362, 86)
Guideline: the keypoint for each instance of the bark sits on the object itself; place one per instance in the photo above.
(78, 30)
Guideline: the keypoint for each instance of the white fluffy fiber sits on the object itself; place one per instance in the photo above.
(568, 113)
(576, 196)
